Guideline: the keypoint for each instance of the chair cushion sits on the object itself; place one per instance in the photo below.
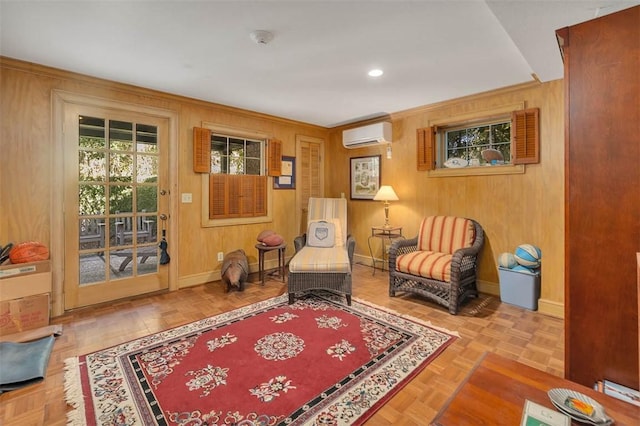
(321, 234)
(427, 264)
(445, 234)
(340, 240)
(329, 209)
(319, 259)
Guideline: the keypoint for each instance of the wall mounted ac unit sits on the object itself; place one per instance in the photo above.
(372, 134)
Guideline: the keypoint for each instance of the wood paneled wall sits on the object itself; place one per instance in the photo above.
(26, 144)
(513, 209)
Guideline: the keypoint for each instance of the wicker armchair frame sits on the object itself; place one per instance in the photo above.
(449, 294)
(331, 281)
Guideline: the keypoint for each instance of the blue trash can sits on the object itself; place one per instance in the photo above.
(519, 288)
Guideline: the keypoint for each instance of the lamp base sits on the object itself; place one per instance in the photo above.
(386, 215)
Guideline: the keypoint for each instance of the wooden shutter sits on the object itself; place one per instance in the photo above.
(525, 141)
(237, 196)
(253, 202)
(201, 150)
(260, 196)
(234, 195)
(425, 142)
(247, 197)
(217, 196)
(274, 157)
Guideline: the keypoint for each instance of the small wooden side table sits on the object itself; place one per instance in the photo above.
(262, 249)
(386, 235)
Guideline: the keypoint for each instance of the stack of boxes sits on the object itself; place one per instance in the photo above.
(24, 296)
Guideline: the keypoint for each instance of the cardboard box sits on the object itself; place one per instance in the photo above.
(24, 279)
(519, 288)
(24, 314)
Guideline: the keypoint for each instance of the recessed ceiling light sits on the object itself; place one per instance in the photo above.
(375, 73)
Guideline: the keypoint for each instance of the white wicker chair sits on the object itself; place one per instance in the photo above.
(323, 268)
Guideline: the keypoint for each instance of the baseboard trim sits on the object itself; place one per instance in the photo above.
(363, 260)
(545, 306)
(212, 276)
(197, 279)
(488, 287)
(551, 308)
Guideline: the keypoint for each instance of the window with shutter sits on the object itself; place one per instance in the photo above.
(507, 138)
(237, 183)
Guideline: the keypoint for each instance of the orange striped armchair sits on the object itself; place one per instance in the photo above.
(440, 263)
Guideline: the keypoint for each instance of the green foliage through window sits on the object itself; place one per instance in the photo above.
(117, 162)
(468, 142)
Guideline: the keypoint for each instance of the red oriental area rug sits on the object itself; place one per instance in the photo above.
(316, 362)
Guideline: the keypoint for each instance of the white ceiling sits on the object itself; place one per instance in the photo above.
(315, 69)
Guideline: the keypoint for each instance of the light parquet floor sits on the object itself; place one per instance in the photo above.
(484, 324)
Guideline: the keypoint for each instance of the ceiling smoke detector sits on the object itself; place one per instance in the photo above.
(261, 36)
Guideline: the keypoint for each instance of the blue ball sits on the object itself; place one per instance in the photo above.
(528, 255)
(524, 269)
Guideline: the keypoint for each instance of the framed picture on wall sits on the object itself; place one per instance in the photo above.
(365, 177)
(287, 178)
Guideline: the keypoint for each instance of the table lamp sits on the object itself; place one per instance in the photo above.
(386, 194)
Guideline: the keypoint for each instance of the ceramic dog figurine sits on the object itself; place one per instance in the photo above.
(235, 269)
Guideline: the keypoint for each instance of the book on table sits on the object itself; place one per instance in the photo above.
(538, 415)
(621, 392)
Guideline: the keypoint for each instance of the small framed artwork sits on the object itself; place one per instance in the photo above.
(365, 177)
(287, 178)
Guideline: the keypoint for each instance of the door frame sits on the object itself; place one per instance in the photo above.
(60, 99)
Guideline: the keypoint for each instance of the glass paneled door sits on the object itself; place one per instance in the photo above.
(115, 206)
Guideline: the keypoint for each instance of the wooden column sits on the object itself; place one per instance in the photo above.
(602, 197)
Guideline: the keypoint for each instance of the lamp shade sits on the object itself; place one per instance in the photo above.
(386, 193)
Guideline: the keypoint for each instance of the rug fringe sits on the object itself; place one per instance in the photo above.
(73, 392)
(407, 317)
(442, 329)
